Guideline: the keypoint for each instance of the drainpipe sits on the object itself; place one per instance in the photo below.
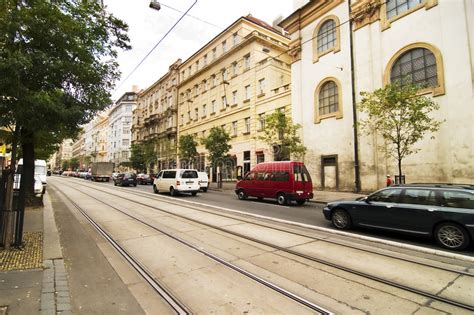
(354, 105)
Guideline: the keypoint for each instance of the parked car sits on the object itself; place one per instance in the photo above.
(176, 181)
(203, 181)
(144, 179)
(126, 179)
(284, 181)
(442, 211)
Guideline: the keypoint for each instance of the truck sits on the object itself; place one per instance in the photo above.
(102, 171)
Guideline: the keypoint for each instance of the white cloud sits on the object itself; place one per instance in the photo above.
(148, 26)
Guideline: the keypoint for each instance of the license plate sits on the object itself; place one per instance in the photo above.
(189, 183)
(299, 192)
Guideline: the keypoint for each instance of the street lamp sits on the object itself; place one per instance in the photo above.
(155, 5)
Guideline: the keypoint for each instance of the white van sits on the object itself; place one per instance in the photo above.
(203, 181)
(177, 181)
(40, 174)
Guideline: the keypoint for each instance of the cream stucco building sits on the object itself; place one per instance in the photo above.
(155, 119)
(232, 82)
(429, 41)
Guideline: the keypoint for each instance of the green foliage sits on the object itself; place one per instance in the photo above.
(282, 135)
(74, 163)
(65, 165)
(57, 65)
(401, 116)
(187, 148)
(217, 144)
(142, 155)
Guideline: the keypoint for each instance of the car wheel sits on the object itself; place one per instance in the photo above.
(155, 190)
(260, 198)
(281, 199)
(341, 219)
(115, 183)
(134, 185)
(194, 193)
(452, 236)
(242, 195)
(172, 191)
(300, 202)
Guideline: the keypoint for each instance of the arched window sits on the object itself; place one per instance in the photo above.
(420, 64)
(416, 66)
(397, 7)
(326, 37)
(328, 100)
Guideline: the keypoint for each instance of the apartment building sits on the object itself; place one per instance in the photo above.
(119, 127)
(79, 151)
(233, 81)
(389, 40)
(155, 118)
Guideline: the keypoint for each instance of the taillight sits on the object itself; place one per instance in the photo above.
(178, 183)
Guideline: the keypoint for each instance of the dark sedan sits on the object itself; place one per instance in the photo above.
(144, 179)
(442, 211)
(125, 179)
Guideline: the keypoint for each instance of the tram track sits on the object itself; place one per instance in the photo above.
(174, 303)
(391, 283)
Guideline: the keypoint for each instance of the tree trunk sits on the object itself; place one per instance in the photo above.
(399, 171)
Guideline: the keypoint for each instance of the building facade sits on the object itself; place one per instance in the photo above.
(79, 151)
(335, 58)
(155, 119)
(119, 133)
(233, 82)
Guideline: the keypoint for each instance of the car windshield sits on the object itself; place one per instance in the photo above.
(189, 174)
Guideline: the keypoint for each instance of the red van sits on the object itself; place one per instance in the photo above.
(285, 181)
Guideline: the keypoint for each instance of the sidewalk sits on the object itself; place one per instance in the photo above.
(320, 196)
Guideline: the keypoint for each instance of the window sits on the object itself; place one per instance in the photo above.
(170, 122)
(204, 60)
(234, 128)
(197, 65)
(196, 90)
(416, 66)
(457, 199)
(247, 92)
(204, 86)
(224, 74)
(247, 125)
(204, 110)
(261, 121)
(235, 38)
(224, 102)
(235, 69)
(213, 106)
(182, 119)
(261, 86)
(260, 158)
(125, 142)
(224, 46)
(328, 100)
(189, 116)
(419, 197)
(214, 80)
(326, 36)
(247, 62)
(196, 113)
(214, 53)
(170, 101)
(280, 176)
(386, 195)
(396, 7)
(234, 97)
(301, 173)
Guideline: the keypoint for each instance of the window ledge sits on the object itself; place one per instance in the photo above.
(247, 100)
(246, 133)
(234, 105)
(212, 114)
(233, 136)
(222, 109)
(261, 95)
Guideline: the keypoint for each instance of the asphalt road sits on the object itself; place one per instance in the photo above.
(310, 214)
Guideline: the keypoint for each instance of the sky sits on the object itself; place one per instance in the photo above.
(147, 27)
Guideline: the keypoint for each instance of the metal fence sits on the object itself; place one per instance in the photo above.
(14, 224)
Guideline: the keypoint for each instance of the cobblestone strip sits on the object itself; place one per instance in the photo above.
(55, 297)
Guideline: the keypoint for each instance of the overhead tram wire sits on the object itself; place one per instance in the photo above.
(156, 45)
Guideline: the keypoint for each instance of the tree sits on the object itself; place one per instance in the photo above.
(217, 144)
(74, 163)
(57, 60)
(187, 149)
(282, 135)
(401, 116)
(137, 158)
(65, 165)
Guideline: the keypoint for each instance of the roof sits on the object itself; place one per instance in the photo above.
(438, 185)
(264, 24)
